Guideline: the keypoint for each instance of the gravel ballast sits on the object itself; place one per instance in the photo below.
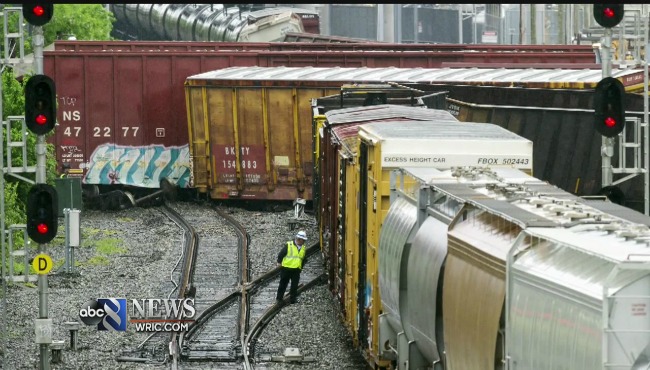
(130, 254)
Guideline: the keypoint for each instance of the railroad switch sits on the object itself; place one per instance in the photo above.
(292, 354)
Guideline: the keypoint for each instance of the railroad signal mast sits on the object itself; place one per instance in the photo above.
(40, 104)
(608, 98)
(42, 207)
(631, 133)
(609, 107)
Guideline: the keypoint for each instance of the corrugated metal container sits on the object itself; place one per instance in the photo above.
(395, 233)
(251, 142)
(474, 290)
(121, 116)
(572, 283)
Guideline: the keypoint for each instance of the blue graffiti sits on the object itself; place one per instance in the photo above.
(142, 166)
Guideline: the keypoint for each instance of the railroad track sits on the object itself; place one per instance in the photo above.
(231, 309)
(227, 330)
(155, 348)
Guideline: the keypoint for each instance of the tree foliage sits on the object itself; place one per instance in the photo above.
(83, 21)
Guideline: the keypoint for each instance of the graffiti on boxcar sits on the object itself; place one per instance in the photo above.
(142, 166)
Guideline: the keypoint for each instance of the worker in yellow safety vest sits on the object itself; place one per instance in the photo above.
(290, 258)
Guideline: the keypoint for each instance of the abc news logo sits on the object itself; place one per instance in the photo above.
(148, 314)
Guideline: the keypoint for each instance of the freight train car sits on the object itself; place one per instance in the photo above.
(486, 268)
(359, 178)
(144, 120)
(560, 123)
(335, 138)
(476, 267)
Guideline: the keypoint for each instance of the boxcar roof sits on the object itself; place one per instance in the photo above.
(345, 122)
(386, 111)
(530, 77)
(448, 130)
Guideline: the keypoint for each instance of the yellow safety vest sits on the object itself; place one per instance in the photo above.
(294, 258)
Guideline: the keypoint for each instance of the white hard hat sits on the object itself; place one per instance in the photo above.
(301, 235)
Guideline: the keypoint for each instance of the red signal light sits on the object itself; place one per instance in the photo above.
(41, 119)
(38, 10)
(609, 107)
(38, 14)
(609, 13)
(42, 228)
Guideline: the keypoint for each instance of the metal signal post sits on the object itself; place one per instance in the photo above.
(41, 121)
(608, 16)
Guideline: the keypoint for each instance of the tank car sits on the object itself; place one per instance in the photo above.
(206, 22)
(488, 268)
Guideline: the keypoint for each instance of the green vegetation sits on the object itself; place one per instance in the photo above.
(97, 261)
(83, 21)
(110, 246)
(125, 219)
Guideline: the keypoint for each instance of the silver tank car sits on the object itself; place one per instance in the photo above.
(203, 22)
(491, 268)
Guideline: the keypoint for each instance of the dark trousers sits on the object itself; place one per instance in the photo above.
(287, 274)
